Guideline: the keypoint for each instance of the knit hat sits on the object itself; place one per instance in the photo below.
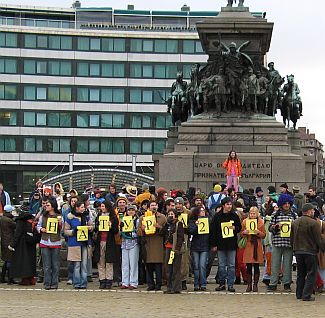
(258, 189)
(8, 208)
(121, 197)
(285, 198)
(132, 207)
(179, 200)
(145, 186)
(284, 185)
(217, 188)
(307, 206)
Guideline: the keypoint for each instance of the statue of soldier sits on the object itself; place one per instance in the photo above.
(240, 4)
(220, 91)
(206, 89)
(252, 86)
(275, 82)
(262, 93)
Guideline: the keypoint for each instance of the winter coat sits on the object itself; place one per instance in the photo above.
(7, 230)
(111, 255)
(23, 262)
(321, 255)
(200, 242)
(237, 167)
(249, 249)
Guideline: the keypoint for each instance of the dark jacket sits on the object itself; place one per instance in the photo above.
(7, 230)
(168, 232)
(112, 254)
(24, 258)
(306, 236)
(224, 244)
(200, 242)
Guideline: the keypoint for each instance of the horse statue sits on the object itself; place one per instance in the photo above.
(274, 90)
(291, 103)
(177, 101)
(193, 95)
(231, 2)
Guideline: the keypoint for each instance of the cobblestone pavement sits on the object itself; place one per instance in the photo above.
(19, 301)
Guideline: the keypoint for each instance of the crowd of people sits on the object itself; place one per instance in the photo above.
(157, 237)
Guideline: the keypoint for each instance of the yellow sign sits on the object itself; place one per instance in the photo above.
(103, 223)
(52, 225)
(171, 257)
(251, 225)
(285, 229)
(226, 230)
(203, 226)
(149, 223)
(184, 219)
(82, 233)
(128, 224)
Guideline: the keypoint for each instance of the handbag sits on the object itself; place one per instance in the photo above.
(242, 241)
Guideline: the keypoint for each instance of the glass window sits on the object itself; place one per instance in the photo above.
(65, 120)
(8, 118)
(171, 71)
(82, 120)
(158, 146)
(65, 68)
(147, 146)
(40, 119)
(136, 70)
(118, 70)
(136, 121)
(107, 95)
(30, 40)
(53, 119)
(82, 94)
(198, 47)
(172, 46)
(118, 121)
(147, 96)
(7, 144)
(83, 44)
(135, 146)
(94, 94)
(159, 95)
(29, 144)
(41, 93)
(147, 71)
(107, 45)
(146, 121)
(82, 146)
(160, 122)
(29, 67)
(188, 46)
(54, 68)
(53, 93)
(41, 67)
(11, 40)
(107, 70)
(8, 66)
(147, 45)
(118, 146)
(94, 70)
(95, 44)
(160, 71)
(135, 96)
(93, 145)
(65, 94)
(29, 118)
(136, 45)
(187, 71)
(54, 42)
(160, 46)
(106, 146)
(118, 95)
(42, 41)
(119, 45)
(2, 91)
(65, 145)
(2, 65)
(106, 120)
(29, 93)
(66, 42)
(10, 92)
(83, 69)
(93, 120)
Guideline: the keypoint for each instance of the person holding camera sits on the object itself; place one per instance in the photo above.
(280, 227)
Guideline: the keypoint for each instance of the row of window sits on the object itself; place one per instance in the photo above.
(83, 43)
(86, 120)
(84, 94)
(83, 145)
(86, 69)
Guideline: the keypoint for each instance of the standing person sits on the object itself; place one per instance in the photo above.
(154, 247)
(253, 254)
(315, 199)
(112, 193)
(4, 199)
(281, 245)
(214, 200)
(145, 195)
(234, 170)
(162, 196)
(223, 239)
(260, 199)
(35, 203)
(105, 253)
(50, 245)
(7, 231)
(130, 251)
(173, 232)
(199, 249)
(78, 250)
(306, 240)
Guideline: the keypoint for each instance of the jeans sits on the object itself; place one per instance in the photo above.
(322, 275)
(80, 269)
(70, 270)
(227, 259)
(306, 275)
(51, 261)
(277, 254)
(130, 260)
(200, 260)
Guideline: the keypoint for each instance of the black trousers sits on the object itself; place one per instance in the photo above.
(173, 272)
(151, 268)
(306, 275)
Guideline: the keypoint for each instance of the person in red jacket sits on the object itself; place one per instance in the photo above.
(234, 170)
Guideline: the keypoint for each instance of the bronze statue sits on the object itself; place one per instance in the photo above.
(240, 4)
(193, 95)
(262, 93)
(275, 82)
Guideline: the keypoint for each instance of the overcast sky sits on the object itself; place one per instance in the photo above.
(297, 45)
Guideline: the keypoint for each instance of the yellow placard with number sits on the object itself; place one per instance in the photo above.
(251, 225)
(52, 226)
(285, 229)
(171, 258)
(226, 230)
(184, 219)
(82, 233)
(103, 223)
(149, 223)
(128, 224)
(203, 226)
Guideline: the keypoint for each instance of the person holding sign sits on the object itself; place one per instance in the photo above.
(130, 248)
(307, 241)
(199, 249)
(281, 245)
(253, 228)
(77, 246)
(105, 252)
(50, 225)
(154, 247)
(173, 232)
(224, 228)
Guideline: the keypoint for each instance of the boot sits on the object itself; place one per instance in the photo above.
(108, 284)
(249, 283)
(3, 273)
(102, 284)
(256, 278)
